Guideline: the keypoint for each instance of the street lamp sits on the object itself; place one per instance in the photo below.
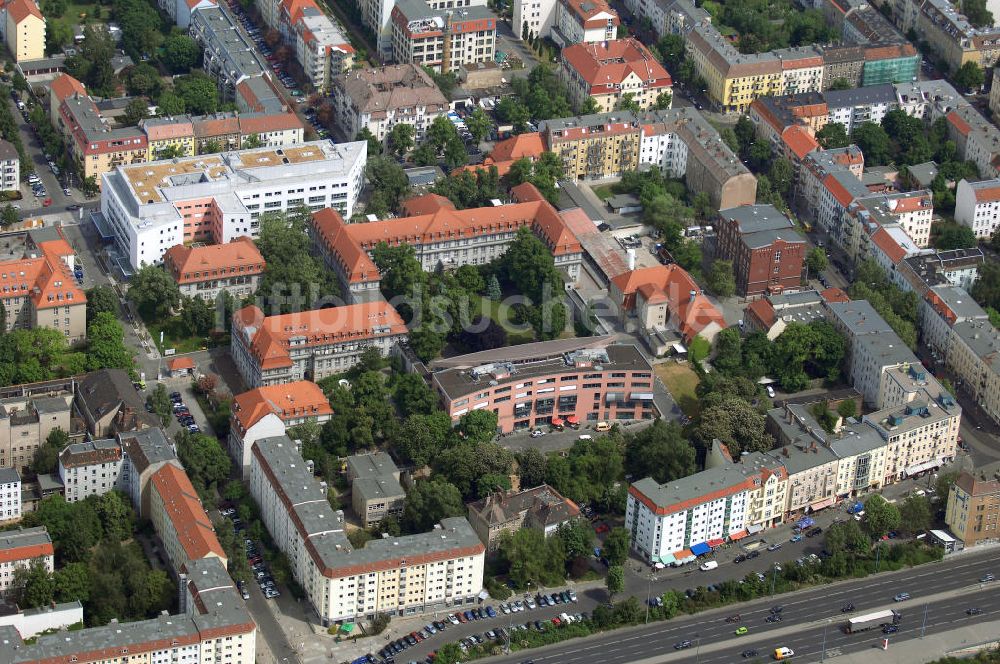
(822, 656)
(697, 649)
(878, 555)
(649, 585)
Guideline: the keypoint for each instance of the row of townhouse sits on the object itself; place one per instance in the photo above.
(99, 147)
(228, 54)
(212, 625)
(320, 43)
(147, 208)
(566, 22)
(679, 141)
(38, 289)
(396, 575)
(947, 31)
(442, 237)
(443, 39)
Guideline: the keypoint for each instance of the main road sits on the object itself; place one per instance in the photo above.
(944, 590)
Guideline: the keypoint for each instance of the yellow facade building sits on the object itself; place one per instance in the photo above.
(24, 30)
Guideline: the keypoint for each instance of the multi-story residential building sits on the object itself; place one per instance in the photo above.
(180, 519)
(180, 11)
(973, 508)
(582, 21)
(91, 468)
(168, 137)
(533, 18)
(666, 305)
(109, 404)
(845, 62)
(146, 452)
(21, 548)
(955, 267)
(972, 357)
(186, 136)
(533, 385)
(26, 422)
(766, 250)
(310, 345)
(941, 308)
(150, 208)
(93, 141)
(670, 522)
(947, 31)
(375, 489)
(977, 205)
(213, 625)
(395, 575)
(23, 29)
(443, 39)
(39, 289)
(611, 71)
(10, 167)
(377, 99)
(206, 271)
(475, 236)
(10, 495)
(541, 507)
(376, 15)
(319, 42)
(229, 55)
(977, 139)
(267, 411)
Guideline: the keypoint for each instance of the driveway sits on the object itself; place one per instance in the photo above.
(36, 155)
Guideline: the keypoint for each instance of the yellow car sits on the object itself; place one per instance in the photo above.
(740, 631)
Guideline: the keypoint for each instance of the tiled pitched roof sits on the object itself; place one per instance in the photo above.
(22, 9)
(46, 278)
(299, 399)
(65, 85)
(889, 246)
(671, 283)
(188, 265)
(799, 141)
(607, 64)
(185, 512)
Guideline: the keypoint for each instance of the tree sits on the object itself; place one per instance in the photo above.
(969, 77)
(721, 279)
(374, 145)
(847, 537)
(46, 458)
(615, 580)
(833, 135)
(180, 53)
(841, 84)
(401, 272)
(144, 80)
(106, 344)
(627, 102)
(251, 142)
(736, 423)
(728, 358)
(977, 13)
(387, 178)
(478, 426)
(421, 437)
(295, 278)
(951, 235)
(160, 404)
(759, 155)
(428, 502)
(464, 463)
(401, 138)
(493, 291)
(881, 516)
(589, 107)
(479, 124)
(659, 451)
(116, 515)
(847, 408)
(101, 299)
(8, 216)
(663, 101)
(528, 265)
(874, 143)
(782, 174)
(154, 293)
(616, 546)
(198, 316)
(203, 458)
(72, 582)
(413, 396)
(816, 261)
(199, 92)
(531, 467)
(915, 514)
(34, 585)
(484, 334)
(577, 536)
(533, 559)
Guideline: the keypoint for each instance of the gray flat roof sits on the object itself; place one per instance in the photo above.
(373, 488)
(699, 487)
(888, 348)
(9, 476)
(13, 539)
(959, 301)
(983, 339)
(870, 94)
(858, 317)
(377, 464)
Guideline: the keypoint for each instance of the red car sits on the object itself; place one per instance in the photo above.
(461, 618)
(417, 636)
(601, 528)
(47, 202)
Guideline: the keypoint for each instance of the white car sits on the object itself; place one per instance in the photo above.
(770, 391)
(537, 433)
(710, 565)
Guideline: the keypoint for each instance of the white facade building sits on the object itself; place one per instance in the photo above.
(219, 197)
(10, 167)
(533, 17)
(10, 495)
(92, 468)
(977, 205)
(396, 575)
(19, 548)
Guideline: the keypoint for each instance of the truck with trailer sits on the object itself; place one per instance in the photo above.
(870, 620)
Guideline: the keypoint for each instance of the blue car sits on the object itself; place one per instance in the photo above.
(470, 616)
(796, 538)
(491, 612)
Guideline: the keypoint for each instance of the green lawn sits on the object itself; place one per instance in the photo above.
(603, 191)
(501, 313)
(175, 336)
(681, 381)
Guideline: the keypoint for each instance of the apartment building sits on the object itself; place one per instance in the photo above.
(611, 71)
(533, 385)
(20, 548)
(229, 55)
(213, 625)
(10, 495)
(666, 305)
(977, 205)
(395, 575)
(23, 29)
(39, 289)
(977, 138)
(180, 519)
(955, 267)
(26, 422)
(319, 42)
(186, 136)
(94, 142)
(10, 167)
(442, 39)
(310, 345)
(766, 250)
(375, 489)
(948, 32)
(146, 452)
(584, 21)
(379, 98)
(499, 514)
(109, 404)
(91, 468)
(973, 508)
(267, 411)
(691, 515)
(771, 314)
(533, 18)
(442, 237)
(206, 271)
(941, 308)
(971, 356)
(216, 198)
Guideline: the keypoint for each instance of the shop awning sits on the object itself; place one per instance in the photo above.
(754, 529)
(641, 396)
(738, 535)
(921, 467)
(701, 549)
(557, 422)
(682, 554)
(666, 560)
(347, 628)
(821, 505)
(716, 542)
(611, 397)
(572, 419)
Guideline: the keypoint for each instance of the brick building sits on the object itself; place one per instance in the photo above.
(766, 250)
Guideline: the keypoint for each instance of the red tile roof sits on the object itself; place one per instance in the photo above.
(262, 124)
(763, 312)
(22, 9)
(46, 278)
(607, 64)
(987, 194)
(834, 295)
(184, 510)
(299, 399)
(587, 11)
(799, 141)
(843, 196)
(65, 86)
(272, 335)
(889, 246)
(959, 123)
(190, 265)
(671, 283)
(528, 145)
(180, 363)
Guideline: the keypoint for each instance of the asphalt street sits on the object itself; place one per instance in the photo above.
(805, 613)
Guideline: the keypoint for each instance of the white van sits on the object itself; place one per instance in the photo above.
(783, 653)
(710, 565)
(586, 437)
